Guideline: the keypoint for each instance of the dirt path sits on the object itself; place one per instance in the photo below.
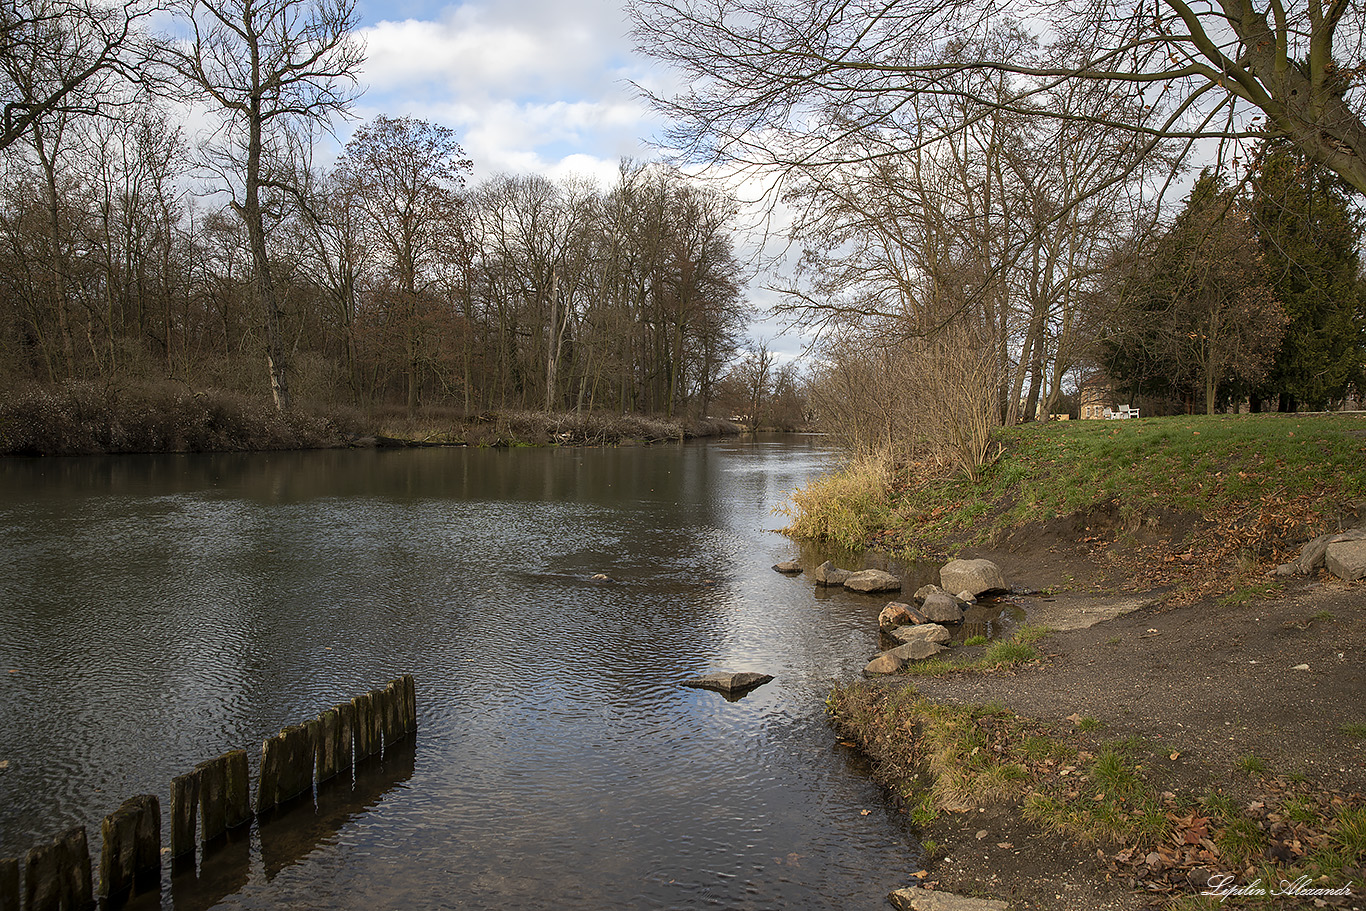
(1207, 683)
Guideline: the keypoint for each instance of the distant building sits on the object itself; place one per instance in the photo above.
(1094, 397)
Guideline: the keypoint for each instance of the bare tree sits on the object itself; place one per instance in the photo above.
(59, 56)
(780, 81)
(273, 72)
(407, 176)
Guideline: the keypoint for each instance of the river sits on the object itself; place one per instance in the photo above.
(156, 611)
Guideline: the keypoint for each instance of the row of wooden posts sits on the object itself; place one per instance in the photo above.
(210, 800)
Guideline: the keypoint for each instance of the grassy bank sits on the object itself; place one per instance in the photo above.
(1256, 484)
(90, 418)
(1116, 798)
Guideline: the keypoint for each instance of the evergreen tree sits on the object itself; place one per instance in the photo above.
(1309, 237)
(1198, 315)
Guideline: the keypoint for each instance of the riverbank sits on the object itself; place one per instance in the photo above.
(1139, 757)
(87, 419)
(1191, 722)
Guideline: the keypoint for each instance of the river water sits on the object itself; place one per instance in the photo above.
(157, 611)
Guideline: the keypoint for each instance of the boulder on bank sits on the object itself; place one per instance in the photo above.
(898, 614)
(729, 682)
(1347, 559)
(975, 576)
(872, 581)
(928, 632)
(886, 663)
(918, 649)
(1314, 554)
(830, 574)
(942, 608)
(789, 567)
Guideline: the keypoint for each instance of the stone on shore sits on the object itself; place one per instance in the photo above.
(872, 580)
(899, 614)
(788, 567)
(1346, 559)
(886, 663)
(942, 608)
(929, 632)
(729, 682)
(976, 576)
(1314, 554)
(918, 649)
(917, 899)
(830, 574)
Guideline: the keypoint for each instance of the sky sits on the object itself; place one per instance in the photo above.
(529, 86)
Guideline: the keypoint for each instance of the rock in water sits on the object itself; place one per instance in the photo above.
(872, 580)
(942, 608)
(976, 576)
(788, 567)
(898, 614)
(729, 682)
(925, 591)
(830, 574)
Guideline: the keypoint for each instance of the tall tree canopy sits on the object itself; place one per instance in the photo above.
(780, 81)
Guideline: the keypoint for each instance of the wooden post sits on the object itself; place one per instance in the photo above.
(410, 703)
(57, 874)
(9, 884)
(184, 808)
(325, 765)
(393, 714)
(237, 790)
(268, 787)
(75, 858)
(377, 700)
(213, 794)
(43, 881)
(346, 725)
(296, 768)
(118, 833)
(364, 722)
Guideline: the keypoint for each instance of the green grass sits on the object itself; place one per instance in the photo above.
(1246, 466)
(975, 640)
(1355, 729)
(1251, 763)
(1004, 653)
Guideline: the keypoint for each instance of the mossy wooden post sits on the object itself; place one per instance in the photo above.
(346, 725)
(131, 849)
(296, 766)
(74, 850)
(42, 879)
(378, 698)
(213, 796)
(409, 703)
(325, 764)
(237, 789)
(393, 714)
(57, 874)
(9, 884)
(364, 723)
(184, 813)
(268, 786)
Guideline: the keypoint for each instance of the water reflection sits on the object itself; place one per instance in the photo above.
(162, 610)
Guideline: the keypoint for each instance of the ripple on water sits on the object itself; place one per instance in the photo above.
(558, 762)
